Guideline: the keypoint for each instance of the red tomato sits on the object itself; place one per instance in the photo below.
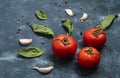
(89, 57)
(94, 37)
(64, 46)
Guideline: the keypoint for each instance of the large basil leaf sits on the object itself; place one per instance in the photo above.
(30, 52)
(107, 21)
(42, 30)
(67, 24)
(41, 15)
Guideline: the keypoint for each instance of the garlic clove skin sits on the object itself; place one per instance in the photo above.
(44, 70)
(25, 41)
(69, 12)
(84, 17)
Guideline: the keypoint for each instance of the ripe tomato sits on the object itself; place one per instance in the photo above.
(89, 57)
(94, 37)
(64, 46)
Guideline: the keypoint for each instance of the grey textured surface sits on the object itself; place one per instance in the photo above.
(22, 11)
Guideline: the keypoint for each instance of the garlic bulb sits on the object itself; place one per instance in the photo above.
(25, 41)
(44, 70)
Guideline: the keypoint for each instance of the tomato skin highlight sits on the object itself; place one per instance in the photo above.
(89, 60)
(91, 40)
(61, 50)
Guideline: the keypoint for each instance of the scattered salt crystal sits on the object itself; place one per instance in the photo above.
(118, 19)
(18, 22)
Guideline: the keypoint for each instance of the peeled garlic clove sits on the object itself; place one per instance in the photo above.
(25, 41)
(44, 70)
(69, 12)
(84, 17)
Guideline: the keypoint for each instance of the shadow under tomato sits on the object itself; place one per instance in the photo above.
(104, 47)
(59, 61)
(83, 72)
(81, 44)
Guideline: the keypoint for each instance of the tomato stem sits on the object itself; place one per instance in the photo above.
(65, 40)
(97, 32)
(89, 51)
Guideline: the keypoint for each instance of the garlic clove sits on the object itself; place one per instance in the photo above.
(25, 41)
(84, 17)
(69, 12)
(44, 70)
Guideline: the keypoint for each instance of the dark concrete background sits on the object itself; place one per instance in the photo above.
(15, 15)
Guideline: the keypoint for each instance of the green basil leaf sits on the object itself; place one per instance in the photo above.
(67, 24)
(30, 52)
(42, 30)
(41, 15)
(107, 21)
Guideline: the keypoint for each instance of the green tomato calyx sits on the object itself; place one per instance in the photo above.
(97, 32)
(65, 40)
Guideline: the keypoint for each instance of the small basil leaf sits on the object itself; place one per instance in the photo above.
(41, 15)
(107, 21)
(67, 23)
(30, 52)
(42, 30)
